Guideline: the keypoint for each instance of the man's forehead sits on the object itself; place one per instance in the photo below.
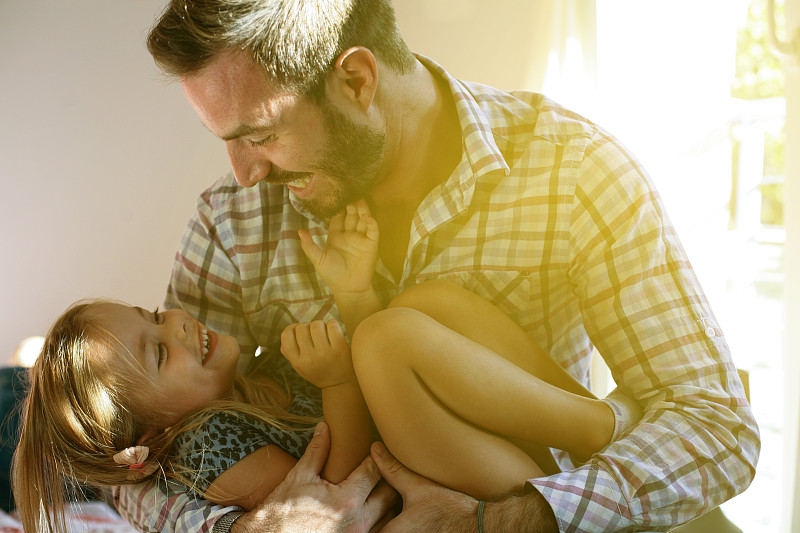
(231, 94)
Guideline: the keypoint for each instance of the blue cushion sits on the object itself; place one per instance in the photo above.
(12, 392)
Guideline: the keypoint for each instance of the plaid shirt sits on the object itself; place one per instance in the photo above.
(548, 217)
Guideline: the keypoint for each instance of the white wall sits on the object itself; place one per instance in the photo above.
(481, 41)
(100, 160)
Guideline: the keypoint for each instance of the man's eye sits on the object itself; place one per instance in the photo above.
(266, 140)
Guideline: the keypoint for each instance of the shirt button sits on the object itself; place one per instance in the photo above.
(711, 332)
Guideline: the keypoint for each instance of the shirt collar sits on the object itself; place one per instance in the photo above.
(476, 128)
(480, 154)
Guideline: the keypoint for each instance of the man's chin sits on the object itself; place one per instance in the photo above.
(321, 210)
(324, 197)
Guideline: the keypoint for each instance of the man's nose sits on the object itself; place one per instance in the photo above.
(248, 167)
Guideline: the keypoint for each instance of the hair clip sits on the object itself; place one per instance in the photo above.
(134, 457)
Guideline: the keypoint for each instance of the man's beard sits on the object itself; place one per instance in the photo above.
(349, 163)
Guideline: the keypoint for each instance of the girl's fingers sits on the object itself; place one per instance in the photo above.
(370, 228)
(334, 329)
(336, 335)
(362, 208)
(337, 222)
(334, 332)
(310, 248)
(303, 336)
(289, 346)
(351, 219)
(364, 216)
(362, 224)
(318, 333)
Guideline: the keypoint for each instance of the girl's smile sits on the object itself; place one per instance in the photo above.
(190, 365)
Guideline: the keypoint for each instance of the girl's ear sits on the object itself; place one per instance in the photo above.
(149, 434)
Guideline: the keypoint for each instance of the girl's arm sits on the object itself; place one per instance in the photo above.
(319, 352)
(347, 262)
(251, 479)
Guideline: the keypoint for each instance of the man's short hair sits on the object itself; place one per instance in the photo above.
(295, 41)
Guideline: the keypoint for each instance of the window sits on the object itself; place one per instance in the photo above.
(694, 90)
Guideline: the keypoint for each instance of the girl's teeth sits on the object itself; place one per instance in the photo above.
(204, 336)
(301, 183)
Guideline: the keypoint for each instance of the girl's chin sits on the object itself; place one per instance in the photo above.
(230, 344)
(234, 344)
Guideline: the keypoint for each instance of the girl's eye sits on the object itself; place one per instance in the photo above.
(162, 354)
(162, 350)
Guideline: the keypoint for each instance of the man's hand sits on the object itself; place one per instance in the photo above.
(306, 502)
(348, 260)
(431, 507)
(426, 506)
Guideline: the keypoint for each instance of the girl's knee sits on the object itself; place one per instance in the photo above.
(421, 295)
(378, 329)
(379, 338)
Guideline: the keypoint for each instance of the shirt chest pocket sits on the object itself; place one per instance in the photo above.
(517, 294)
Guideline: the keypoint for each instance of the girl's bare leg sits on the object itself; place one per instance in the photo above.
(448, 406)
(423, 427)
(476, 318)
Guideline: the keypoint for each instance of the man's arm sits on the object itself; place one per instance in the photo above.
(697, 443)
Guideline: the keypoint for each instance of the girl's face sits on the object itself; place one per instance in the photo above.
(191, 365)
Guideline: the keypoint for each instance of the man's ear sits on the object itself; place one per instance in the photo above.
(354, 77)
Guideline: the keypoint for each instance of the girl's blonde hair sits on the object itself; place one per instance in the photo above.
(88, 399)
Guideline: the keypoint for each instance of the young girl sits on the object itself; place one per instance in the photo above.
(119, 394)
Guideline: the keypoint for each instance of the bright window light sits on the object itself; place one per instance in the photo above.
(27, 352)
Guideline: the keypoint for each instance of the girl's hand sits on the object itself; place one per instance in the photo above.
(347, 262)
(319, 352)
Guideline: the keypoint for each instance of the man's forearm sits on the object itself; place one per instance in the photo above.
(523, 513)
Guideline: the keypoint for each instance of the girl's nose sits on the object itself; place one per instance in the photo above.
(179, 323)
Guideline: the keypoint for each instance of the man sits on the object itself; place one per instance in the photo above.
(530, 206)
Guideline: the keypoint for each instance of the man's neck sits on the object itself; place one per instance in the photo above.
(423, 146)
(423, 140)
